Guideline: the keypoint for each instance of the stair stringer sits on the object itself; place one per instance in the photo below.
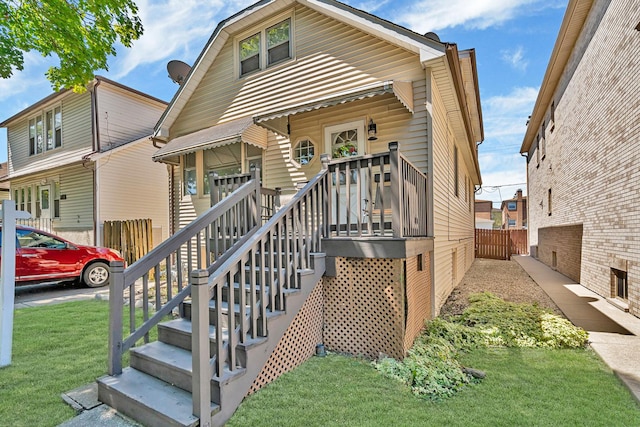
(234, 391)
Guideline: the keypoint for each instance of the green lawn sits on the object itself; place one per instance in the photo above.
(56, 348)
(523, 387)
(60, 347)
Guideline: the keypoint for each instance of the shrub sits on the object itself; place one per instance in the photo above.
(520, 325)
(430, 369)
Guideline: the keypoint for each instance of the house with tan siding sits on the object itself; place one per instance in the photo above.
(367, 135)
(583, 153)
(340, 70)
(78, 160)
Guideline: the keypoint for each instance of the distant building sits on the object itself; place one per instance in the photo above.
(484, 218)
(514, 212)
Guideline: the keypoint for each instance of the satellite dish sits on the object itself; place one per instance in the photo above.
(178, 70)
(433, 36)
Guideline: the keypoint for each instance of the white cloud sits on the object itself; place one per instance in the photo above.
(515, 58)
(170, 27)
(503, 168)
(432, 15)
(32, 76)
(505, 116)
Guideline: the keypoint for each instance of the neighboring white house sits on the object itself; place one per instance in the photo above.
(77, 160)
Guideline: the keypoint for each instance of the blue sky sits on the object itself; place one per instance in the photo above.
(513, 41)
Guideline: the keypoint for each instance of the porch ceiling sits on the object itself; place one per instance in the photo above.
(276, 120)
(214, 136)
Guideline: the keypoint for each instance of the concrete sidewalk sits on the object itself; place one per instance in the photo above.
(613, 334)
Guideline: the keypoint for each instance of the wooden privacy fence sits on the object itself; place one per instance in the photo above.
(133, 238)
(500, 244)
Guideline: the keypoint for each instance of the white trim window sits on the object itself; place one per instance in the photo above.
(45, 131)
(345, 140)
(303, 152)
(263, 49)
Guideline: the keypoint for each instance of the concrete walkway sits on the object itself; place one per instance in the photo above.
(613, 334)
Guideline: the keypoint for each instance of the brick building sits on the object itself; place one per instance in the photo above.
(583, 152)
(514, 212)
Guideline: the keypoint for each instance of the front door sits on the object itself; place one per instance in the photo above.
(347, 140)
(45, 201)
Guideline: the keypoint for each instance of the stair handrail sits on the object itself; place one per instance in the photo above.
(302, 223)
(246, 199)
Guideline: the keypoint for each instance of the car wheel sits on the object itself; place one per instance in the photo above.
(96, 275)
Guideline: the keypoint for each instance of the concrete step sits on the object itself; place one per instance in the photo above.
(149, 400)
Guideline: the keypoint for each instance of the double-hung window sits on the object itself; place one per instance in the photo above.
(45, 131)
(265, 48)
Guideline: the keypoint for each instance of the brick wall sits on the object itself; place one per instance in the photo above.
(589, 173)
(560, 248)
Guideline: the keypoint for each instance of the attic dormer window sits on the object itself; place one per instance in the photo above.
(268, 47)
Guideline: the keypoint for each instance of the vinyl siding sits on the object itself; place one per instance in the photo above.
(453, 219)
(76, 137)
(329, 57)
(76, 205)
(132, 186)
(124, 116)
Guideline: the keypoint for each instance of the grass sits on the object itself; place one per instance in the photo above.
(60, 347)
(56, 348)
(524, 387)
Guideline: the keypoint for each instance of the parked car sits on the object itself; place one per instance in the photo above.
(44, 257)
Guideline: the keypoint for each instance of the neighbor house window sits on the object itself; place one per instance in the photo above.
(45, 131)
(549, 201)
(619, 283)
(265, 48)
(303, 152)
(512, 206)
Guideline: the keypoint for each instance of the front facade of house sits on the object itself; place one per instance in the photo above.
(583, 152)
(284, 82)
(369, 132)
(77, 160)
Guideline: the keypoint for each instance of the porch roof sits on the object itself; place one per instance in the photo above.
(273, 120)
(212, 137)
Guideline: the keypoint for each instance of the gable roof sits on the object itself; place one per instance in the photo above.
(61, 93)
(427, 48)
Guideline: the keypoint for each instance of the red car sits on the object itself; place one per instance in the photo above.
(44, 257)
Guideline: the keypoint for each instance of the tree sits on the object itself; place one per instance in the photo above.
(81, 33)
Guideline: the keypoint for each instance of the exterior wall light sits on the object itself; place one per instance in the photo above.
(372, 130)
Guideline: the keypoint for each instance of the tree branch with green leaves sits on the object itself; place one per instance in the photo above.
(81, 33)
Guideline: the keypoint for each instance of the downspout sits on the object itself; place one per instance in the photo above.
(430, 195)
(95, 129)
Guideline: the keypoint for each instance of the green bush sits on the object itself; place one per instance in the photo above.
(461, 336)
(520, 325)
(430, 369)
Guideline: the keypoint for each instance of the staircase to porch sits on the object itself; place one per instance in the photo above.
(226, 288)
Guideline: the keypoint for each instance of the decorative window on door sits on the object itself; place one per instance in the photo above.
(344, 144)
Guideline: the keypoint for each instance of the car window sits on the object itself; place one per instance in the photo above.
(33, 239)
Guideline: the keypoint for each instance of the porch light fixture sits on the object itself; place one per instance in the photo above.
(372, 130)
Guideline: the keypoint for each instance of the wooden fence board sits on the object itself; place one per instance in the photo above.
(500, 244)
(132, 238)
